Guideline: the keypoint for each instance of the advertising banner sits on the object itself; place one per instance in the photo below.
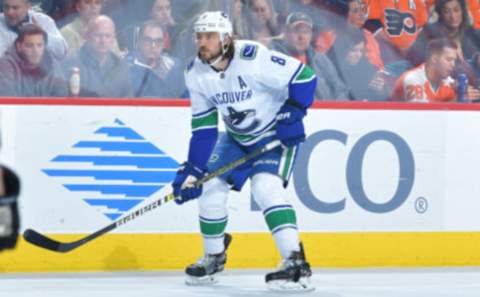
(83, 167)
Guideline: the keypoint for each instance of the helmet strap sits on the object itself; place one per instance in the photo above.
(224, 49)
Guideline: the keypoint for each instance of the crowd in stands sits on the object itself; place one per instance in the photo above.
(361, 50)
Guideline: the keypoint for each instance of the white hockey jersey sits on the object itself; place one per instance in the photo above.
(247, 95)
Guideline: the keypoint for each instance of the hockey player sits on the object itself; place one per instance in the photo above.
(261, 95)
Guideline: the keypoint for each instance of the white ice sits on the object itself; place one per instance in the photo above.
(240, 283)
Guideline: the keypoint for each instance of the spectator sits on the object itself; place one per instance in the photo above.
(297, 43)
(432, 81)
(401, 22)
(320, 11)
(129, 15)
(453, 23)
(74, 33)
(261, 21)
(185, 13)
(353, 13)
(18, 12)
(364, 80)
(161, 12)
(28, 69)
(126, 14)
(238, 22)
(61, 11)
(242, 13)
(154, 73)
(102, 73)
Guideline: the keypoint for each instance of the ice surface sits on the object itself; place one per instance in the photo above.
(242, 283)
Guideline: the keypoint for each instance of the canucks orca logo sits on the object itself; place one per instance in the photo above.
(249, 52)
(241, 122)
(397, 21)
(114, 172)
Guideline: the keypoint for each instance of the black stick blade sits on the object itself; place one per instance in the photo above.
(42, 241)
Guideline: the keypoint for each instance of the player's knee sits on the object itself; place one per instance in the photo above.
(268, 190)
(213, 202)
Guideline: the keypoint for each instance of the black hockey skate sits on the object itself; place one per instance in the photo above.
(204, 272)
(293, 275)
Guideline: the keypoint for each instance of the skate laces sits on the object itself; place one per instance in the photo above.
(294, 260)
(287, 263)
(205, 260)
(208, 260)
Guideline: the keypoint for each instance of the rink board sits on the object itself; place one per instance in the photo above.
(376, 185)
(131, 252)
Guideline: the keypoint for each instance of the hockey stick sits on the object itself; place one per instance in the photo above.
(45, 242)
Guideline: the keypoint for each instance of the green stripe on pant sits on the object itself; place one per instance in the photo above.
(281, 218)
(213, 228)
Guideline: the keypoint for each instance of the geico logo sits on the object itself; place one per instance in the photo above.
(353, 174)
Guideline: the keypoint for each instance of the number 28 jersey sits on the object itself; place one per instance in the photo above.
(248, 95)
(414, 86)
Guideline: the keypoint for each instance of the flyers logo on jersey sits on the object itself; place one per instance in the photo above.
(396, 22)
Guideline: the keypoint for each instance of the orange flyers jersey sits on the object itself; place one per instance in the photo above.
(401, 19)
(413, 85)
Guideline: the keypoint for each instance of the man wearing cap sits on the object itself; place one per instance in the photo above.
(262, 97)
(297, 43)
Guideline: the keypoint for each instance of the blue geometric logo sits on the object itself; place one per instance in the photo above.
(116, 171)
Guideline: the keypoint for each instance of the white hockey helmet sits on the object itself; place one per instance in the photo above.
(214, 21)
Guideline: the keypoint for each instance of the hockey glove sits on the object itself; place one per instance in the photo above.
(290, 130)
(184, 184)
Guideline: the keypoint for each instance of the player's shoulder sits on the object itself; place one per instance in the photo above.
(190, 65)
(249, 50)
(193, 70)
(195, 67)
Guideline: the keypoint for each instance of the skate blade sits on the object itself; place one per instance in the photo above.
(285, 286)
(207, 280)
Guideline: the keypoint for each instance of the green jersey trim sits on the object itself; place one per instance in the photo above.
(306, 74)
(250, 139)
(205, 121)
